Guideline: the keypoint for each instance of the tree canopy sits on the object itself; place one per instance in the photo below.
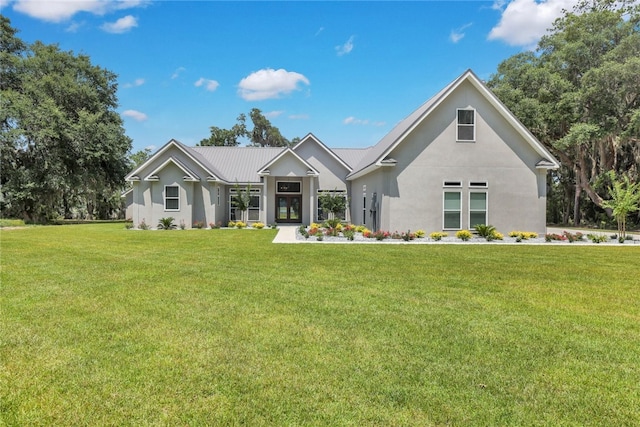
(62, 144)
(579, 93)
(263, 134)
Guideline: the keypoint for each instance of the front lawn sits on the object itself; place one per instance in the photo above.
(105, 326)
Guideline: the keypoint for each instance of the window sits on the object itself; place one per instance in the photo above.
(288, 186)
(466, 125)
(364, 204)
(478, 184)
(452, 210)
(477, 208)
(254, 205)
(341, 215)
(171, 198)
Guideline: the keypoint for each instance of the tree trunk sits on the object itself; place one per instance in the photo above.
(576, 201)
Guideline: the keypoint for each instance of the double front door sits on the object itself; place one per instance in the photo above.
(288, 208)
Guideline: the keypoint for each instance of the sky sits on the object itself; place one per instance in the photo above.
(347, 72)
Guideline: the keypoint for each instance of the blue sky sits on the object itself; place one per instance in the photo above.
(345, 71)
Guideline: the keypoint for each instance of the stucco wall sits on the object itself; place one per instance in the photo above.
(499, 156)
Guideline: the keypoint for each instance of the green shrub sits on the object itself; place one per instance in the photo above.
(166, 223)
(464, 235)
(438, 235)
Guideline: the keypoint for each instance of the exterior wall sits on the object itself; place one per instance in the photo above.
(431, 155)
(377, 183)
(172, 175)
(332, 176)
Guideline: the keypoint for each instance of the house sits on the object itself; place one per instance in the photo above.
(459, 160)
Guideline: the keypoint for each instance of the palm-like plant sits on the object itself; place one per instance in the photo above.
(166, 223)
(486, 231)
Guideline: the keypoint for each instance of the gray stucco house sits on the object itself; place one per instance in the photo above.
(460, 159)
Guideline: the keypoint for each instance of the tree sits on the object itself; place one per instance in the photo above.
(625, 198)
(335, 204)
(227, 137)
(579, 93)
(243, 200)
(264, 134)
(63, 147)
(139, 157)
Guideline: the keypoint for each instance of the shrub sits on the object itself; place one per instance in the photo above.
(523, 235)
(128, 225)
(240, 224)
(215, 225)
(198, 224)
(408, 236)
(349, 234)
(367, 233)
(396, 235)
(598, 238)
(166, 223)
(464, 235)
(231, 224)
(360, 228)
(570, 237)
(258, 225)
(143, 225)
(554, 237)
(438, 235)
(302, 229)
(381, 235)
(420, 234)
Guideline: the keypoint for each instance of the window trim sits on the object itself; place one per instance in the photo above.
(255, 192)
(445, 210)
(472, 125)
(486, 207)
(167, 198)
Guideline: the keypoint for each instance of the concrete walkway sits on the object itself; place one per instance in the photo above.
(286, 234)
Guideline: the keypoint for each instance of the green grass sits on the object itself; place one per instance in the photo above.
(106, 326)
(11, 222)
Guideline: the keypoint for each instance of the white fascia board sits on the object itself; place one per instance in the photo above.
(189, 176)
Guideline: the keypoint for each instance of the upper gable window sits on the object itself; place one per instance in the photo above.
(466, 126)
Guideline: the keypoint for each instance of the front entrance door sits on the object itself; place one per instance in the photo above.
(288, 208)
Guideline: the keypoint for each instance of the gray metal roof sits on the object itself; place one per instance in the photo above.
(351, 156)
(239, 164)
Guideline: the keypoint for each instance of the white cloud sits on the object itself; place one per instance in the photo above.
(458, 34)
(351, 120)
(135, 115)
(136, 83)
(321, 29)
(177, 72)
(273, 114)
(210, 85)
(62, 10)
(122, 25)
(299, 117)
(269, 83)
(524, 22)
(345, 48)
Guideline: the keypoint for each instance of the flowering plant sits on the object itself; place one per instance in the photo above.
(464, 235)
(438, 235)
(258, 225)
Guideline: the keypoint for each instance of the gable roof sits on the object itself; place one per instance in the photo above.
(378, 153)
(311, 138)
(206, 166)
(264, 170)
(188, 174)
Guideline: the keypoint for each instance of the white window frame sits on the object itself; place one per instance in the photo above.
(167, 198)
(253, 213)
(445, 210)
(486, 207)
(472, 125)
(319, 213)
